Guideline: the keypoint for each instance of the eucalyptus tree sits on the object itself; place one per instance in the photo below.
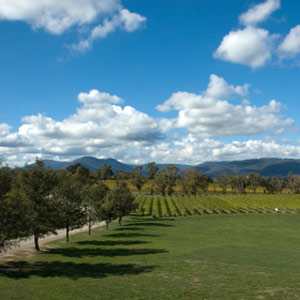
(92, 200)
(161, 181)
(172, 176)
(192, 181)
(107, 211)
(238, 183)
(254, 181)
(67, 195)
(137, 178)
(13, 211)
(152, 169)
(273, 185)
(293, 183)
(6, 179)
(37, 184)
(223, 180)
(122, 199)
(105, 172)
(14, 219)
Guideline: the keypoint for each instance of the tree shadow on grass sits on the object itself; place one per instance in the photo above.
(144, 218)
(154, 224)
(131, 228)
(110, 243)
(79, 253)
(19, 270)
(130, 235)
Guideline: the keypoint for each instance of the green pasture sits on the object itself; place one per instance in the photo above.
(226, 256)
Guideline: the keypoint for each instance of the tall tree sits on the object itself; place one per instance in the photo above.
(294, 183)
(73, 168)
(172, 176)
(82, 175)
(6, 178)
(192, 181)
(105, 172)
(137, 178)
(107, 210)
(223, 179)
(254, 181)
(37, 184)
(161, 181)
(238, 183)
(14, 219)
(93, 198)
(13, 211)
(122, 199)
(152, 169)
(68, 199)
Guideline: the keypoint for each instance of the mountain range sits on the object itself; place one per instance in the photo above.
(267, 167)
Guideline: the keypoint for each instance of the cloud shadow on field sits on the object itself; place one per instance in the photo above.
(20, 270)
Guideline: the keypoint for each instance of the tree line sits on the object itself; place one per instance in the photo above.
(192, 181)
(37, 201)
(270, 185)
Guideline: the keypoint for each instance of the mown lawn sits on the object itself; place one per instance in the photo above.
(251, 256)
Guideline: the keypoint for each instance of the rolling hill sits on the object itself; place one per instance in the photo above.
(267, 167)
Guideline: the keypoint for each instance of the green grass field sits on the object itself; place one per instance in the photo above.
(227, 256)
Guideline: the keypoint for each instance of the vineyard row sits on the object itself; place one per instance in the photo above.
(217, 204)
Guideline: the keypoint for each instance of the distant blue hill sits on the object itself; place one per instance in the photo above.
(267, 167)
(91, 163)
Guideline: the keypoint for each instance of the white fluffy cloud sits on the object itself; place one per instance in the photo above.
(192, 150)
(259, 12)
(290, 46)
(125, 20)
(219, 89)
(98, 124)
(253, 46)
(57, 16)
(209, 116)
(104, 127)
(249, 46)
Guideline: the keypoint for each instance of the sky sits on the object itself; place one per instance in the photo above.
(170, 81)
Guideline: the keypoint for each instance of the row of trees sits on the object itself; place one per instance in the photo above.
(106, 173)
(164, 180)
(239, 183)
(38, 201)
(191, 181)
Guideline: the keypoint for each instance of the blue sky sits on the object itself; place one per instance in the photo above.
(157, 80)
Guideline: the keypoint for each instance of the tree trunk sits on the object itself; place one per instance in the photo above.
(120, 220)
(106, 221)
(67, 231)
(90, 226)
(36, 242)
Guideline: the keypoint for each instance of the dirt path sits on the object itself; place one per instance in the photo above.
(26, 248)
